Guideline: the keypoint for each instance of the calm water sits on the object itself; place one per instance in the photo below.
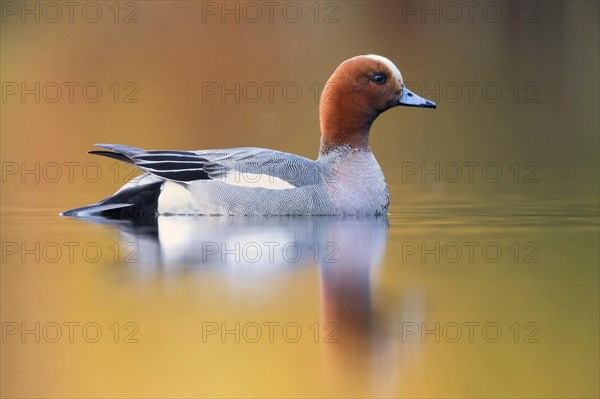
(482, 282)
(434, 301)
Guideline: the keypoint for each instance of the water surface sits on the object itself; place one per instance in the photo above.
(435, 301)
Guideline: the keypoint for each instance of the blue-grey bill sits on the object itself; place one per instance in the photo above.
(410, 99)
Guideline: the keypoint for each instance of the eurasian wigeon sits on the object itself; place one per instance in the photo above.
(344, 180)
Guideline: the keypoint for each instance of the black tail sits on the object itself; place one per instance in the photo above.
(136, 203)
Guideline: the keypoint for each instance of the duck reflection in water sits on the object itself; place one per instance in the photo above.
(254, 252)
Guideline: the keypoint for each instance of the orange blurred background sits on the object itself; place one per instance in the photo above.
(522, 89)
(517, 88)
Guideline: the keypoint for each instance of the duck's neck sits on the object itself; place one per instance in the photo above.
(343, 124)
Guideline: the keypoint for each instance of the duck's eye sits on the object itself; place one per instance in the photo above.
(379, 78)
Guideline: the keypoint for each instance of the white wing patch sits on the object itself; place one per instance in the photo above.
(237, 178)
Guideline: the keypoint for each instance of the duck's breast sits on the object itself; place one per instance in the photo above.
(356, 184)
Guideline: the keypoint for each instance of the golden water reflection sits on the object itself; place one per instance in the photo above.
(317, 306)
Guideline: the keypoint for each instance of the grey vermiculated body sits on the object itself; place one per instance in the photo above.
(344, 181)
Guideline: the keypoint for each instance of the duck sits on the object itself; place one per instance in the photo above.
(345, 179)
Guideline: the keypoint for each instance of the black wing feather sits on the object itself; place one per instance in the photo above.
(184, 175)
(171, 165)
(181, 166)
(114, 155)
(174, 158)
